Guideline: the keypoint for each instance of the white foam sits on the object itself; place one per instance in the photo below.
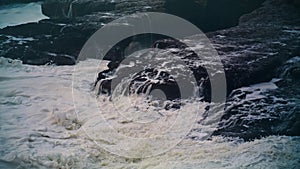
(39, 128)
(258, 89)
(17, 14)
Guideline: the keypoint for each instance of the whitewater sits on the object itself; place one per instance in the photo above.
(41, 127)
(17, 14)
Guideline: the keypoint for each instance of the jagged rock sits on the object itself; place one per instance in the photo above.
(72, 22)
(251, 53)
(42, 43)
(60, 35)
(254, 112)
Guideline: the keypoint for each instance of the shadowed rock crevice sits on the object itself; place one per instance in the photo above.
(212, 15)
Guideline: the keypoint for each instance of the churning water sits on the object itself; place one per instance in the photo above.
(17, 14)
(41, 127)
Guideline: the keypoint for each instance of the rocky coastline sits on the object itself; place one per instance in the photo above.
(256, 45)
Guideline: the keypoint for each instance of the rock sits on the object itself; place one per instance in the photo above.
(252, 112)
(291, 70)
(212, 15)
(207, 15)
(251, 53)
(72, 22)
(130, 45)
(255, 50)
(42, 43)
(75, 8)
(132, 6)
(60, 35)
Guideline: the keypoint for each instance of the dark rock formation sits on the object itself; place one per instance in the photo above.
(75, 8)
(211, 15)
(62, 36)
(251, 51)
(254, 52)
(257, 50)
(72, 22)
(254, 112)
(42, 43)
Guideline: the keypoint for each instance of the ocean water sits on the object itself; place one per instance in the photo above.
(48, 114)
(16, 14)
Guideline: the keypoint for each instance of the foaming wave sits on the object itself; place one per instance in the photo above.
(46, 130)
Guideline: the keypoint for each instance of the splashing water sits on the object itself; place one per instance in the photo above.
(11, 15)
(40, 127)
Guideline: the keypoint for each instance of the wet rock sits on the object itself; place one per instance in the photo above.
(255, 113)
(72, 22)
(42, 43)
(253, 52)
(261, 110)
(291, 70)
(208, 15)
(71, 8)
